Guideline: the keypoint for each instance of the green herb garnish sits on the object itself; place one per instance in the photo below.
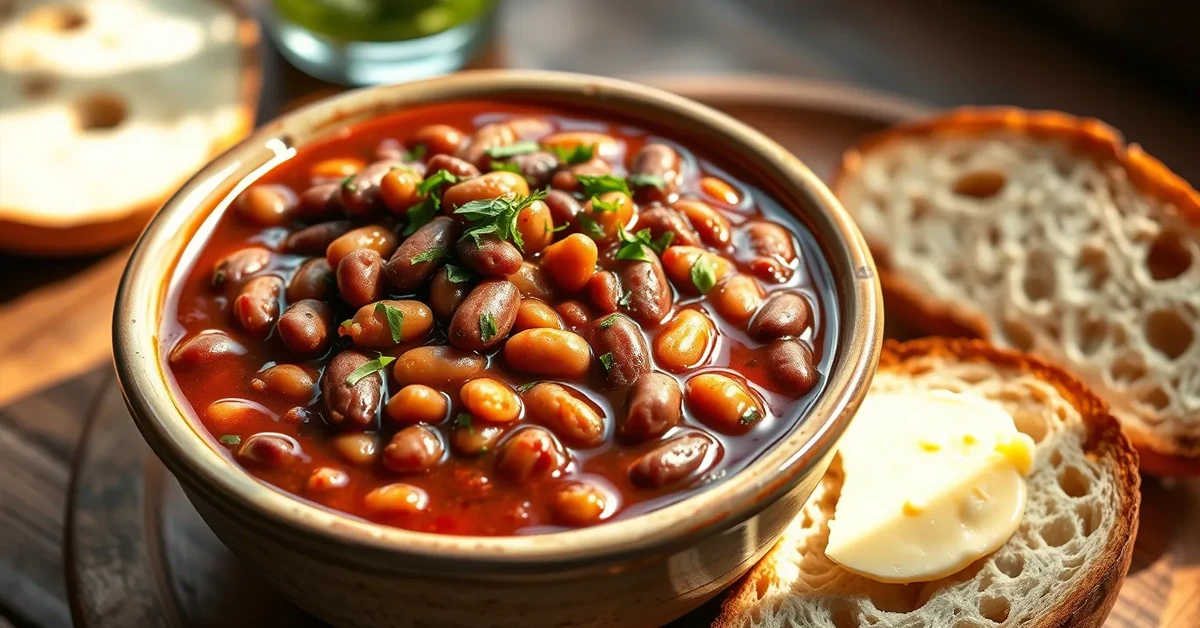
(395, 319)
(704, 274)
(370, 368)
(590, 226)
(608, 321)
(487, 327)
(421, 213)
(635, 246)
(432, 255)
(346, 323)
(606, 361)
(578, 154)
(750, 417)
(527, 386)
(498, 216)
(647, 180)
(233, 440)
(507, 166)
(512, 150)
(625, 299)
(347, 185)
(601, 205)
(435, 180)
(463, 421)
(416, 153)
(456, 274)
(595, 185)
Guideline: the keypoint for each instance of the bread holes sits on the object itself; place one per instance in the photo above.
(994, 608)
(1032, 424)
(1011, 564)
(1089, 518)
(921, 208)
(100, 112)
(897, 598)
(1156, 399)
(1168, 333)
(1090, 333)
(844, 615)
(1092, 266)
(1168, 256)
(1058, 531)
(980, 184)
(1126, 369)
(1067, 574)
(994, 235)
(1018, 334)
(1073, 482)
(1040, 283)
(1056, 458)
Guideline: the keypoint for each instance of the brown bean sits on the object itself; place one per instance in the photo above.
(313, 280)
(270, 451)
(315, 240)
(783, 314)
(535, 314)
(268, 205)
(358, 448)
(663, 162)
(398, 189)
(737, 298)
(359, 277)
(489, 256)
(568, 415)
(571, 262)
(790, 367)
(723, 403)
(553, 352)
(205, 349)
(371, 326)
(445, 295)
(575, 314)
(487, 136)
(374, 237)
(288, 380)
(685, 341)
(563, 207)
(232, 415)
(485, 187)
(769, 239)
(581, 503)
(530, 453)
(672, 462)
(536, 167)
(660, 220)
(620, 339)
(719, 190)
(439, 139)
(390, 148)
(604, 291)
(471, 438)
(360, 193)
(297, 415)
(351, 405)
(613, 211)
(568, 179)
(678, 262)
(320, 202)
(257, 306)
(397, 500)
(485, 317)
(650, 295)
(414, 449)
(653, 407)
(417, 403)
(490, 400)
(453, 165)
(437, 366)
(306, 327)
(239, 265)
(712, 227)
(536, 227)
(418, 257)
(323, 479)
(531, 281)
(529, 127)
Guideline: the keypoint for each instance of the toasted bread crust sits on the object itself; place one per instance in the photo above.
(1088, 604)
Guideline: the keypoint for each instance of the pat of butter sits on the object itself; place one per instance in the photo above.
(933, 481)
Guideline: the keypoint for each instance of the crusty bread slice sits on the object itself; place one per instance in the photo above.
(1063, 566)
(1045, 233)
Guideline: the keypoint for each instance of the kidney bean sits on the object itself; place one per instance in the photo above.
(371, 328)
(485, 317)
(537, 167)
(320, 201)
(610, 221)
(269, 450)
(288, 380)
(315, 240)
(453, 165)
(789, 365)
(414, 449)
(390, 148)
(204, 349)
(439, 139)
(531, 281)
(660, 220)
(313, 280)
(358, 448)
(236, 266)
(485, 187)
(306, 327)
(336, 168)
(563, 207)
(604, 291)
(649, 295)
(784, 314)
(769, 239)
(567, 180)
(256, 307)
(530, 453)
(445, 295)
(397, 500)
(351, 406)
(231, 415)
(437, 366)
(360, 194)
(471, 438)
(653, 407)
(535, 314)
(552, 352)
(712, 227)
(662, 161)
(490, 400)
(359, 277)
(678, 262)
(489, 256)
(571, 262)
(569, 416)
(603, 145)
(685, 341)
(418, 257)
(723, 403)
(575, 314)
(398, 189)
(325, 479)
(737, 298)
(487, 136)
(269, 205)
(621, 340)
(581, 503)
(374, 237)
(529, 127)
(671, 462)
(719, 190)
(536, 227)
(417, 403)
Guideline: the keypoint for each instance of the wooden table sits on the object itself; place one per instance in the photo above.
(942, 53)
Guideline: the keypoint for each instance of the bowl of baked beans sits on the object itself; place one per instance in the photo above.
(499, 348)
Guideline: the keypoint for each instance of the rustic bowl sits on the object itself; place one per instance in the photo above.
(642, 571)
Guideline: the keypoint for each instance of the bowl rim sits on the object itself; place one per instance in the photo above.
(188, 450)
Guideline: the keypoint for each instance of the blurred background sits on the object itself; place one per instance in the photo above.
(1129, 63)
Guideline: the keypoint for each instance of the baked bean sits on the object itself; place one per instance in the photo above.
(445, 294)
(315, 240)
(205, 349)
(371, 326)
(774, 248)
(783, 314)
(660, 220)
(360, 193)
(358, 448)
(336, 168)
(256, 307)
(737, 298)
(571, 262)
(236, 266)
(603, 145)
(654, 406)
(227, 415)
(306, 327)
(552, 352)
(417, 403)
(685, 341)
(324, 479)
(649, 295)
(563, 207)
(571, 418)
(288, 380)
(620, 339)
(723, 403)
(568, 180)
(535, 226)
(712, 227)
(422, 254)
(485, 187)
(485, 317)
(575, 314)
(471, 438)
(360, 277)
(398, 188)
(535, 314)
(269, 205)
(531, 281)
(298, 415)
(313, 280)
(453, 165)
(613, 212)
(488, 136)
(719, 190)
(660, 161)
(439, 139)
(437, 366)
(320, 202)
(269, 450)
(390, 148)
(789, 366)
(530, 453)
(580, 503)
(414, 449)
(678, 262)
(490, 400)
(374, 237)
(537, 167)
(396, 500)
(529, 127)
(672, 462)
(489, 255)
(351, 405)
(604, 291)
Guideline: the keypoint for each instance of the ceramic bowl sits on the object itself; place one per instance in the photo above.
(644, 570)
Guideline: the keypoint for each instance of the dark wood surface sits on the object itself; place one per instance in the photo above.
(945, 53)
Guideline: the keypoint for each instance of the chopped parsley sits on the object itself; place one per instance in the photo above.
(633, 247)
(233, 440)
(590, 226)
(416, 153)
(606, 361)
(395, 319)
(370, 368)
(487, 327)
(457, 274)
(432, 255)
(421, 213)
(347, 183)
(595, 185)
(608, 321)
(463, 421)
(601, 205)
(750, 416)
(704, 274)
(346, 323)
(625, 299)
(498, 216)
(647, 180)
(512, 150)
(578, 154)
(507, 166)
(527, 386)
(435, 180)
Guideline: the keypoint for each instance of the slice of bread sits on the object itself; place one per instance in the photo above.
(1045, 233)
(108, 106)
(1062, 567)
